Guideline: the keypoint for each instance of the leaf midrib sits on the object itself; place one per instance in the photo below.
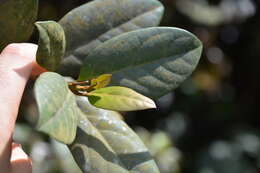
(57, 113)
(119, 96)
(154, 61)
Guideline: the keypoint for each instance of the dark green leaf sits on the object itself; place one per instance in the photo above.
(57, 107)
(152, 61)
(119, 99)
(105, 144)
(16, 20)
(51, 44)
(90, 25)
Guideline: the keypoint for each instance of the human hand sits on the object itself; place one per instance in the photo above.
(17, 61)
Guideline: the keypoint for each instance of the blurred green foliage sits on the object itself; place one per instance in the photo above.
(211, 123)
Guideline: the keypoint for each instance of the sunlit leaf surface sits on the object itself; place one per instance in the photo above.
(119, 99)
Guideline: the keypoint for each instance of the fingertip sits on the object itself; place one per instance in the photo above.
(16, 56)
(26, 51)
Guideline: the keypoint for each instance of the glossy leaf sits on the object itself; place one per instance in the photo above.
(51, 44)
(16, 20)
(119, 99)
(105, 144)
(56, 106)
(91, 24)
(152, 61)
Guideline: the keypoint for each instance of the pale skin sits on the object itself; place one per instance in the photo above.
(17, 62)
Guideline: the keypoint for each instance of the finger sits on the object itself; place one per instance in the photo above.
(20, 162)
(16, 63)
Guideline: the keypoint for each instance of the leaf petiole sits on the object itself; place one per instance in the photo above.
(81, 88)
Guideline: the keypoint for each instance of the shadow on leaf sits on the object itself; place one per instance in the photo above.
(90, 153)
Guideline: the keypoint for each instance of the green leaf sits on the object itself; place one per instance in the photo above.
(119, 99)
(91, 24)
(16, 20)
(105, 144)
(56, 106)
(152, 61)
(52, 44)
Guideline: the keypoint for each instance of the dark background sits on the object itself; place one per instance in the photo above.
(213, 118)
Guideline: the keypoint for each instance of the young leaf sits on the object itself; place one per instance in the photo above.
(91, 24)
(153, 61)
(101, 81)
(51, 44)
(81, 88)
(105, 144)
(16, 20)
(119, 99)
(56, 106)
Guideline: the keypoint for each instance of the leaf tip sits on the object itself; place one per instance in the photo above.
(150, 104)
